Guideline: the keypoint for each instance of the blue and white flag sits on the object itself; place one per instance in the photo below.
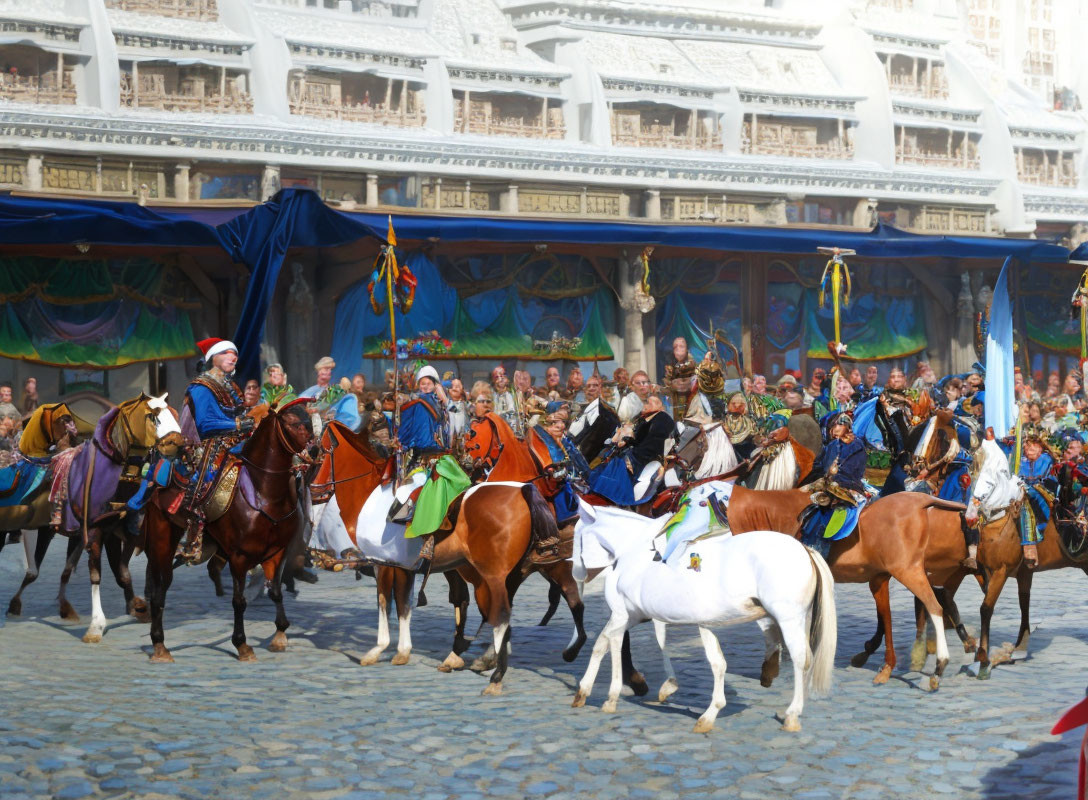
(1000, 395)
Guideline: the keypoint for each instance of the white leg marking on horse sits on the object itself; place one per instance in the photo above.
(383, 634)
(795, 635)
(585, 686)
(98, 617)
(404, 639)
(714, 655)
(615, 644)
(670, 685)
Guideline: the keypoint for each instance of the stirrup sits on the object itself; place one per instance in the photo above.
(969, 564)
(545, 552)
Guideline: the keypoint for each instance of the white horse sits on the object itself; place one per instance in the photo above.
(760, 575)
(995, 488)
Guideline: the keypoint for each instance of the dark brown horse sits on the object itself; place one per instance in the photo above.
(262, 521)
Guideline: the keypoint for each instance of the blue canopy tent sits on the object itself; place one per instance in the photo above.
(261, 237)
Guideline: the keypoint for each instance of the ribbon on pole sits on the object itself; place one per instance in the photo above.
(1000, 409)
(836, 281)
(1079, 303)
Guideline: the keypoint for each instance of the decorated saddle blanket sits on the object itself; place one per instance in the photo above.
(444, 483)
(20, 479)
(822, 525)
(702, 513)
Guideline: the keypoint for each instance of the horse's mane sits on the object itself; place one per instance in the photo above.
(360, 442)
(118, 434)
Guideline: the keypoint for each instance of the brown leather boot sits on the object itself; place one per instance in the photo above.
(545, 551)
(1031, 556)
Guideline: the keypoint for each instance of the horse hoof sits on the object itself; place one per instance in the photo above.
(638, 684)
(161, 655)
(703, 726)
(370, 658)
(400, 659)
(579, 699)
(769, 671)
(792, 725)
(572, 653)
(934, 683)
(609, 706)
(667, 690)
(984, 672)
(246, 654)
(860, 659)
(492, 690)
(278, 643)
(15, 608)
(452, 662)
(92, 638)
(970, 645)
(883, 675)
(483, 664)
(68, 613)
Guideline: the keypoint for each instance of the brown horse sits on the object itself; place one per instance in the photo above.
(263, 519)
(915, 538)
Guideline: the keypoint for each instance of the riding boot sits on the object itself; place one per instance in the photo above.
(970, 563)
(1031, 556)
(192, 547)
(545, 551)
(426, 554)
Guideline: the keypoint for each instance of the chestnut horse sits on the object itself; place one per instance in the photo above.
(253, 530)
(915, 538)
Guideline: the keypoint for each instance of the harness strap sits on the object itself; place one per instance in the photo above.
(87, 497)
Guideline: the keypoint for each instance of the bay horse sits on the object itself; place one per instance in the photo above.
(107, 470)
(263, 519)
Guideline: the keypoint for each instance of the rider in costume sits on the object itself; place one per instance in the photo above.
(559, 458)
(842, 466)
(424, 428)
(213, 404)
(1036, 467)
(616, 478)
(679, 376)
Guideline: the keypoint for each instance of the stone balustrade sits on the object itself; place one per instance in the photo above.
(937, 159)
(240, 103)
(38, 89)
(359, 112)
(204, 10)
(498, 125)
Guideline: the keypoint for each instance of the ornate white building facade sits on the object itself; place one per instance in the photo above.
(935, 115)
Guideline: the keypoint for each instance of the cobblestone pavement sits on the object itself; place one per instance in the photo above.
(99, 720)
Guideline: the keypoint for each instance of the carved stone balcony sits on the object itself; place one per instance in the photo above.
(1046, 168)
(38, 89)
(665, 127)
(348, 97)
(907, 84)
(495, 115)
(943, 149)
(204, 10)
(185, 89)
(795, 140)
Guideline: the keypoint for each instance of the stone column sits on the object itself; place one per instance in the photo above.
(371, 190)
(634, 342)
(653, 204)
(270, 182)
(34, 170)
(508, 203)
(181, 182)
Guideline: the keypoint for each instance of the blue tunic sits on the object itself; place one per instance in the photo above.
(1034, 474)
(423, 425)
(851, 467)
(211, 418)
(565, 501)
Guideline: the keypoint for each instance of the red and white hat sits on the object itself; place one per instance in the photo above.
(213, 347)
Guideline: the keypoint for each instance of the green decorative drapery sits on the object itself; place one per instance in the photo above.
(91, 313)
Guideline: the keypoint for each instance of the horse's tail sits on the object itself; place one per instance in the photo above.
(823, 628)
(541, 519)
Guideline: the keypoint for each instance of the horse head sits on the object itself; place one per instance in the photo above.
(293, 425)
(58, 422)
(143, 423)
(604, 533)
(993, 487)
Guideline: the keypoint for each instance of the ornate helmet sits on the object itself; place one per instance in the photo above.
(710, 377)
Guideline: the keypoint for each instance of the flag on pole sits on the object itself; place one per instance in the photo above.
(1000, 410)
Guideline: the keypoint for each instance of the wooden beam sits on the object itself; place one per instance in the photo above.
(191, 270)
(936, 288)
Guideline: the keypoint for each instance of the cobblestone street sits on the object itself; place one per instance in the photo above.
(99, 720)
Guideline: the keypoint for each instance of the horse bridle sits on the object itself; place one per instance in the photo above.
(319, 489)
